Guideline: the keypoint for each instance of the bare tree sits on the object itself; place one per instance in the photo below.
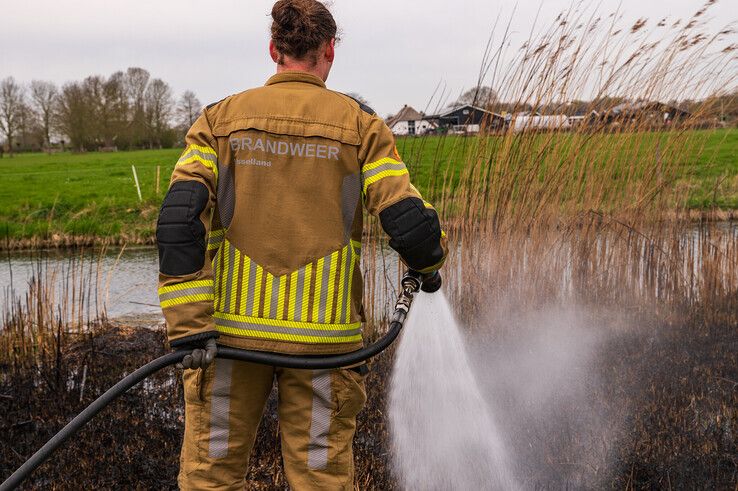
(11, 109)
(478, 96)
(159, 104)
(74, 117)
(136, 82)
(29, 134)
(43, 95)
(188, 109)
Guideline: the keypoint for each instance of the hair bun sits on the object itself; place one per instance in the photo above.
(300, 27)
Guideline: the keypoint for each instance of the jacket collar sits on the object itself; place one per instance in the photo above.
(303, 77)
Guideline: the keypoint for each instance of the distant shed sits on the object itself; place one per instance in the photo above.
(468, 119)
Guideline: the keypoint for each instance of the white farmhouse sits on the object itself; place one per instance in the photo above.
(409, 122)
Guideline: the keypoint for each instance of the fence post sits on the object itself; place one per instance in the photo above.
(135, 179)
(158, 172)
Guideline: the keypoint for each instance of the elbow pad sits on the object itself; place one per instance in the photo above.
(415, 233)
(180, 233)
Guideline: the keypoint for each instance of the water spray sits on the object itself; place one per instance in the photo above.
(411, 283)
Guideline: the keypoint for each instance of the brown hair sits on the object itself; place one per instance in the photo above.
(300, 27)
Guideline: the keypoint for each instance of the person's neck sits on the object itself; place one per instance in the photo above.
(302, 67)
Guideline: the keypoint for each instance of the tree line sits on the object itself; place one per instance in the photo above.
(127, 110)
(720, 108)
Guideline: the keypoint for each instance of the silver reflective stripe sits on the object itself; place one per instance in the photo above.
(320, 421)
(220, 405)
(229, 280)
(324, 288)
(252, 289)
(214, 241)
(296, 331)
(382, 168)
(275, 298)
(185, 292)
(300, 288)
(346, 283)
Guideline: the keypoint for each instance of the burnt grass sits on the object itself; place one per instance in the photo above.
(677, 393)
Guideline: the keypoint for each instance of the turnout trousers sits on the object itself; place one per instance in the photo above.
(317, 419)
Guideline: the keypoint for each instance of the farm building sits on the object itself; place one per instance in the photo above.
(540, 122)
(655, 112)
(582, 118)
(468, 119)
(410, 122)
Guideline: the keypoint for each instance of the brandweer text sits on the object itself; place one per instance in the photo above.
(308, 150)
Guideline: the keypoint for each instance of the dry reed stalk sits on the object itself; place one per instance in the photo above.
(592, 213)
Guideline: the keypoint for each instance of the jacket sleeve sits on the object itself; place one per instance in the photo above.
(185, 276)
(411, 222)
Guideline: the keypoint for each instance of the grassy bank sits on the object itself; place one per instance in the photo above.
(84, 198)
(90, 196)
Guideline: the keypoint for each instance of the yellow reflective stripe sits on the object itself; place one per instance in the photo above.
(288, 337)
(329, 314)
(200, 297)
(356, 244)
(318, 284)
(428, 205)
(387, 173)
(184, 286)
(263, 321)
(215, 238)
(202, 149)
(196, 158)
(381, 162)
(257, 289)
(306, 291)
(350, 286)
(224, 274)
(235, 281)
(341, 279)
(443, 234)
(293, 296)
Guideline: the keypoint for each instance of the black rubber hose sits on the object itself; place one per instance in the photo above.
(287, 361)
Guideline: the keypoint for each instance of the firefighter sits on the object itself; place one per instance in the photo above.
(259, 242)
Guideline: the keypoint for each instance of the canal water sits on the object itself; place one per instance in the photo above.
(125, 279)
(123, 282)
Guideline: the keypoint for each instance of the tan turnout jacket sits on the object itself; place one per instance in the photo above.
(288, 168)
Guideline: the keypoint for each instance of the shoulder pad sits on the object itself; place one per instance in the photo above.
(363, 106)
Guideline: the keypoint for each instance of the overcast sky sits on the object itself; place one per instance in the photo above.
(393, 52)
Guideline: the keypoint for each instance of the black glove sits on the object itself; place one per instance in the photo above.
(204, 352)
(431, 282)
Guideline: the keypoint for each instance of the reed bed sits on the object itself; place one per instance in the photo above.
(592, 218)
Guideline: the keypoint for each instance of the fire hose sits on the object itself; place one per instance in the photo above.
(411, 283)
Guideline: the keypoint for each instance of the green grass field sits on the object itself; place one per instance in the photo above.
(94, 194)
(708, 171)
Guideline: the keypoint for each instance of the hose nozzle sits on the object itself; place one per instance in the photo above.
(411, 282)
(429, 283)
